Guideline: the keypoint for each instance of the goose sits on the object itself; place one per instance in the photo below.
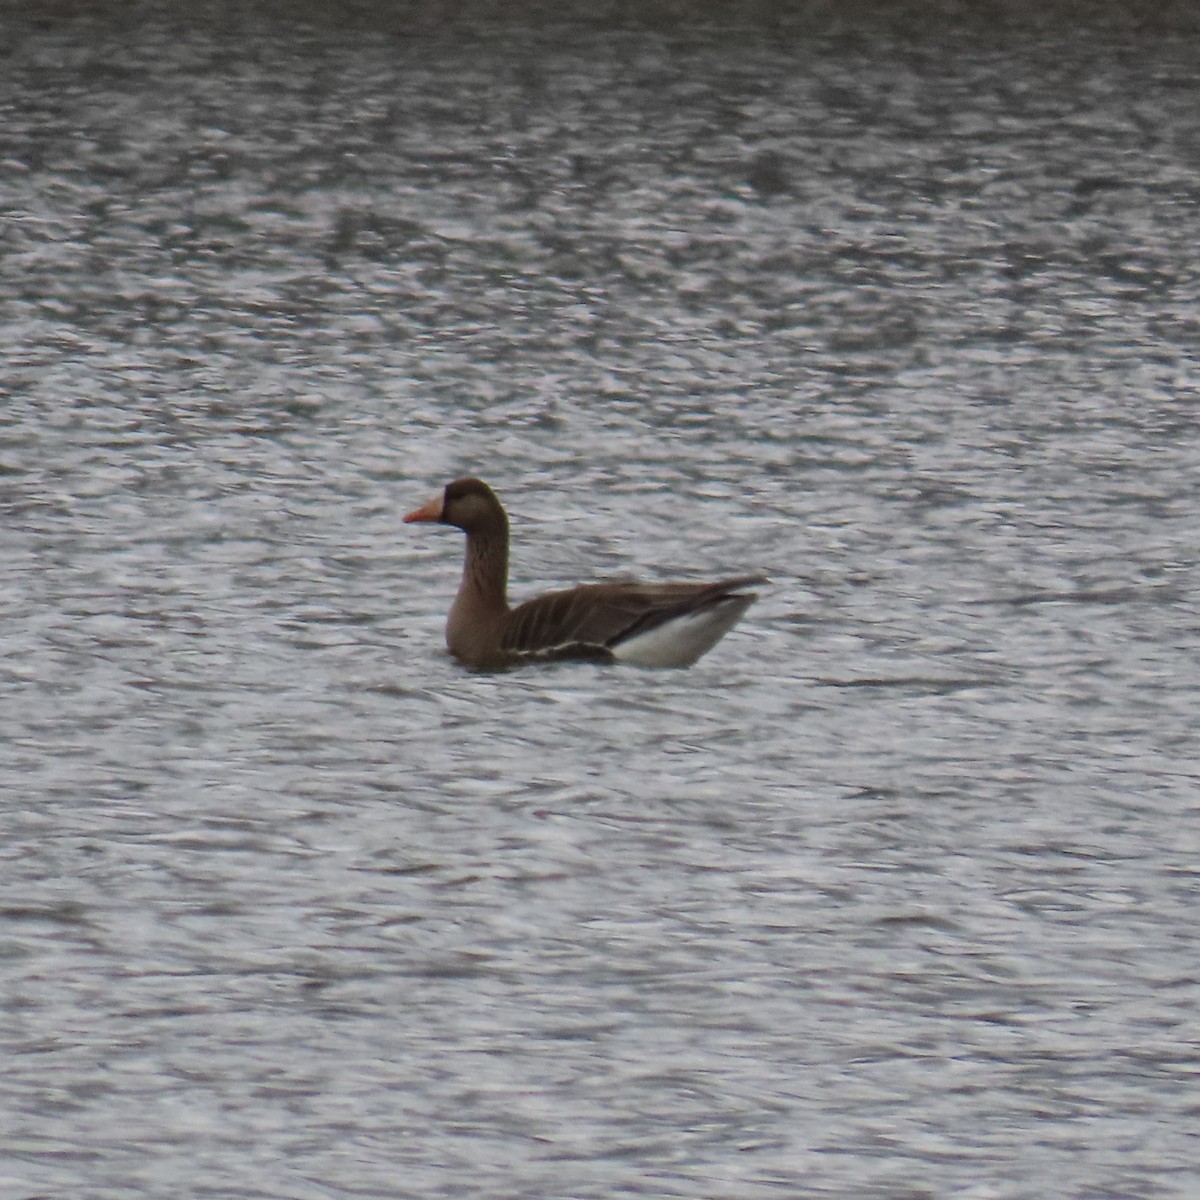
(646, 624)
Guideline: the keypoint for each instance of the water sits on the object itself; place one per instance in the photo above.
(892, 895)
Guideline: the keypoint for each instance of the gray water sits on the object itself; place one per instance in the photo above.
(893, 895)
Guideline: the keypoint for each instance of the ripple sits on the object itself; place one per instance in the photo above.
(896, 883)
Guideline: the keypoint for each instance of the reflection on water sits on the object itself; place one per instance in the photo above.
(896, 885)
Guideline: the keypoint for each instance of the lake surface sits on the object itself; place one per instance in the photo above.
(893, 895)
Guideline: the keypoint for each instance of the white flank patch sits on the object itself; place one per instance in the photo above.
(681, 640)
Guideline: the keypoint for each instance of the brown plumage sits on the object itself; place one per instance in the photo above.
(651, 624)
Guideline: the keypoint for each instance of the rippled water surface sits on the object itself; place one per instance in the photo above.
(894, 894)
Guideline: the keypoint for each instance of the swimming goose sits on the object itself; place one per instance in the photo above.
(648, 624)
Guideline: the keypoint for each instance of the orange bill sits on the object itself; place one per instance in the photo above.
(427, 512)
